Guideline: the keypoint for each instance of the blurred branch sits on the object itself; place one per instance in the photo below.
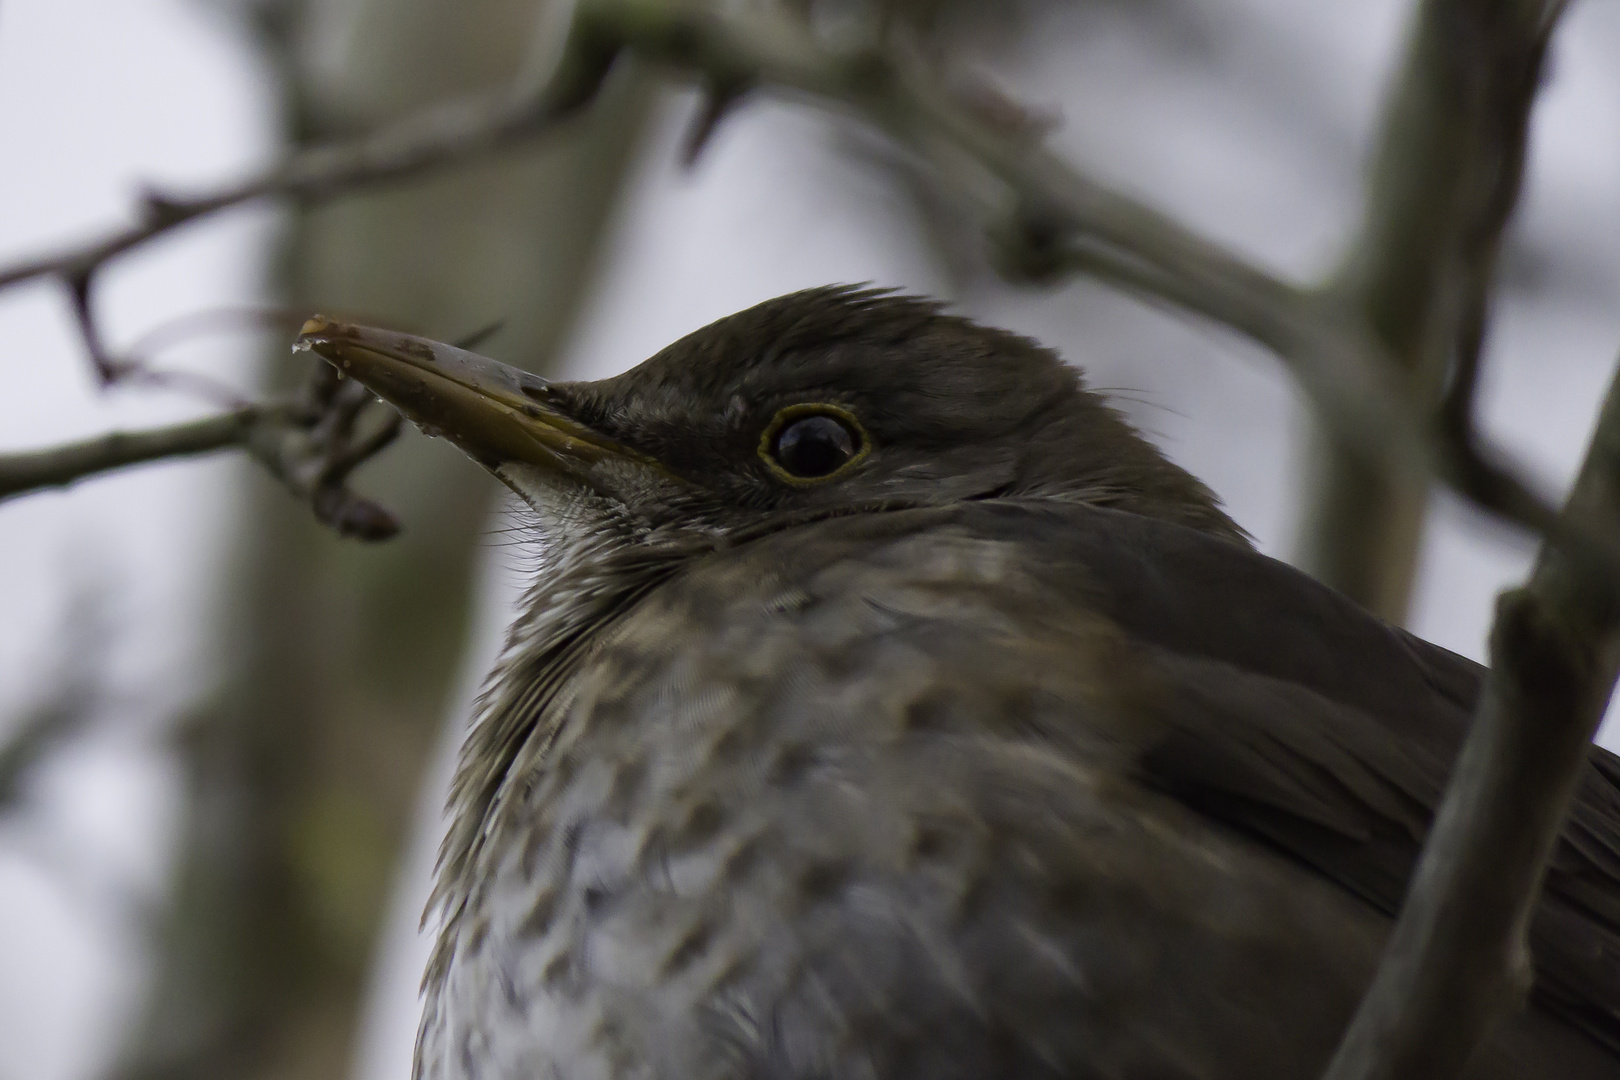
(1458, 957)
(1452, 159)
(453, 132)
(44, 728)
(62, 465)
(1051, 217)
(76, 701)
(1446, 173)
(308, 444)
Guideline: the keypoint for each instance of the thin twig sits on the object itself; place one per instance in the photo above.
(313, 464)
(449, 134)
(314, 457)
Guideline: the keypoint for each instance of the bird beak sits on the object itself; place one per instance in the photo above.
(499, 415)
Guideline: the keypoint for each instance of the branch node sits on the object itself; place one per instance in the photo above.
(1027, 245)
(79, 280)
(159, 211)
(720, 100)
(1541, 652)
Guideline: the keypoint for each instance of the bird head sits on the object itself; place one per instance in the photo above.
(819, 403)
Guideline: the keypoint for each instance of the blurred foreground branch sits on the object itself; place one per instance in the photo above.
(1458, 957)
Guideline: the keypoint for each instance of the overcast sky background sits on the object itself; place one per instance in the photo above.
(1249, 126)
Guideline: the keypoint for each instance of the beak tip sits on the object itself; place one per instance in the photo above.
(317, 325)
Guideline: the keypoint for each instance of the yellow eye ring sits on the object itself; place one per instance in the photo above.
(812, 453)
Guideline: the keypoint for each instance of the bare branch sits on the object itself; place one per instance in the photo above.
(1053, 207)
(311, 457)
(63, 465)
(452, 133)
(79, 283)
(719, 101)
(1458, 955)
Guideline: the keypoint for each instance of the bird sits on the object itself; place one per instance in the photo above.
(886, 707)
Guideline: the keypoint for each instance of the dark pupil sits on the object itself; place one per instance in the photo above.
(814, 446)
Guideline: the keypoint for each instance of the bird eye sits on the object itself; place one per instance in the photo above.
(805, 443)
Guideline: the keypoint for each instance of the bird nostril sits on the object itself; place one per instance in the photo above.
(420, 350)
(538, 390)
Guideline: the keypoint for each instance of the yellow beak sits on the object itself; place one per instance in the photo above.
(497, 414)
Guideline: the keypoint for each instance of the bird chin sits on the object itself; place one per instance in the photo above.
(569, 513)
(550, 494)
(574, 518)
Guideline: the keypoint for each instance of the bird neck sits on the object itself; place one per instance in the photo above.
(591, 573)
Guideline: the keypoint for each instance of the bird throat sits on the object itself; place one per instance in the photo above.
(594, 568)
